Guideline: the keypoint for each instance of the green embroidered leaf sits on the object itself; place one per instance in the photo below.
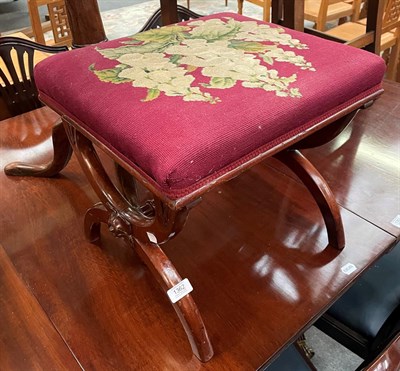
(248, 46)
(175, 58)
(252, 84)
(115, 53)
(268, 59)
(151, 95)
(294, 92)
(110, 75)
(163, 34)
(222, 82)
(132, 42)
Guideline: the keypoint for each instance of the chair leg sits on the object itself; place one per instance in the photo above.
(321, 193)
(240, 6)
(188, 4)
(302, 343)
(393, 61)
(267, 11)
(62, 155)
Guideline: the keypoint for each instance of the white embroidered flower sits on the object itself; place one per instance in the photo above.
(226, 51)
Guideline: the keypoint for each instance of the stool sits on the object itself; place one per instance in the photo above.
(186, 107)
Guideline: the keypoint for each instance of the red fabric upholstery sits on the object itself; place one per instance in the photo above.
(182, 143)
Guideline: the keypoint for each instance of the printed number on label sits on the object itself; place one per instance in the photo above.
(180, 290)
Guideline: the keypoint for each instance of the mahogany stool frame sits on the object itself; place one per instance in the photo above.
(148, 225)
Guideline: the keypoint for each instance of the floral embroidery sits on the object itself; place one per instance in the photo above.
(226, 51)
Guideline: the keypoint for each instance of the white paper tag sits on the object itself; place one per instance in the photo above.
(180, 290)
(151, 237)
(348, 268)
(396, 221)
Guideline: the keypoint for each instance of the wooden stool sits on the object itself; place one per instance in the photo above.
(186, 107)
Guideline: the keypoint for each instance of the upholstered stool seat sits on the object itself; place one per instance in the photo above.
(188, 106)
(183, 119)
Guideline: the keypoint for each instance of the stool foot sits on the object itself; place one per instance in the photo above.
(321, 193)
(186, 309)
(62, 155)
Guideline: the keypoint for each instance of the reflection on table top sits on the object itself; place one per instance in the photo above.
(362, 165)
(254, 251)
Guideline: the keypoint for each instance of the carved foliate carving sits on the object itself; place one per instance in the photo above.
(118, 226)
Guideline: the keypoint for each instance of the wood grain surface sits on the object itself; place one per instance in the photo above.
(254, 251)
(28, 339)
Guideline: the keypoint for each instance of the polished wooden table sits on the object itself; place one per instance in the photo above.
(259, 284)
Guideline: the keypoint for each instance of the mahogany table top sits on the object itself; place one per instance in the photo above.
(254, 251)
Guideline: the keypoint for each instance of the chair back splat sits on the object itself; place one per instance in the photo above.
(17, 83)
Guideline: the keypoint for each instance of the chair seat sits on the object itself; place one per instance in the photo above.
(351, 30)
(186, 103)
(335, 11)
(289, 359)
(376, 295)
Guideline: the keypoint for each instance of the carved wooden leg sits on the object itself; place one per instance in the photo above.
(186, 309)
(321, 192)
(141, 225)
(62, 155)
(302, 343)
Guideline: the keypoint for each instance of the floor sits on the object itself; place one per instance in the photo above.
(123, 17)
(14, 14)
(120, 17)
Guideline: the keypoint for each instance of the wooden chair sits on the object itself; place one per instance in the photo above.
(388, 359)
(155, 20)
(265, 4)
(389, 34)
(367, 317)
(294, 359)
(18, 92)
(188, 3)
(59, 24)
(323, 11)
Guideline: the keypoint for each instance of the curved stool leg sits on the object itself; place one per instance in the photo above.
(186, 309)
(62, 155)
(321, 193)
(132, 223)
